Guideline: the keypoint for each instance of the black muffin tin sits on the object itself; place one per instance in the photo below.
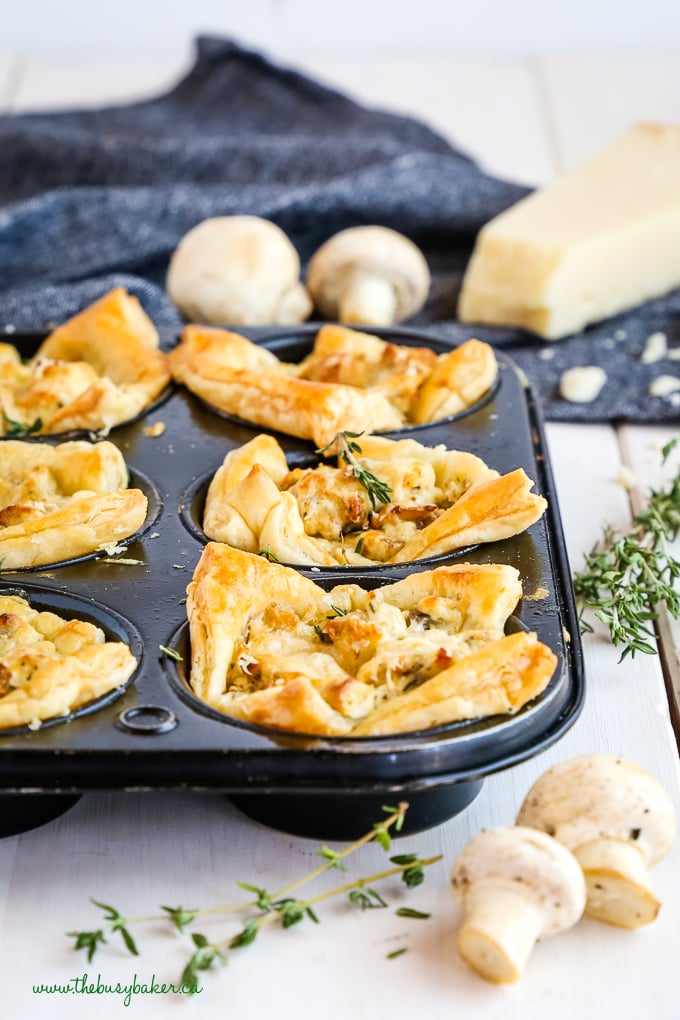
(157, 735)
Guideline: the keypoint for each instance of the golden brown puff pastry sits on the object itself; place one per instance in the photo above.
(50, 666)
(439, 500)
(351, 380)
(97, 370)
(60, 502)
(269, 646)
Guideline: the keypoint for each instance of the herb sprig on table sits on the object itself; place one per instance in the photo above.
(265, 908)
(626, 577)
(344, 445)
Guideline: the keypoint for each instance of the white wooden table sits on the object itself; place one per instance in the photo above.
(527, 120)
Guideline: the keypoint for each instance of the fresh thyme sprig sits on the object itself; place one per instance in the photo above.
(281, 906)
(345, 447)
(627, 577)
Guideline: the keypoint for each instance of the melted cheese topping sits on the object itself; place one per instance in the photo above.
(59, 502)
(439, 500)
(350, 380)
(269, 646)
(50, 666)
(98, 369)
(385, 649)
(32, 393)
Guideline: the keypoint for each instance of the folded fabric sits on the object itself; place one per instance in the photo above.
(99, 198)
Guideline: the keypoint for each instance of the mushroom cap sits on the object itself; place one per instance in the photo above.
(602, 796)
(376, 252)
(237, 270)
(526, 860)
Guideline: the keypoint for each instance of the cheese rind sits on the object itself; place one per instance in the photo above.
(604, 238)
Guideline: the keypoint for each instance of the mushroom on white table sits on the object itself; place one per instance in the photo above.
(516, 885)
(617, 819)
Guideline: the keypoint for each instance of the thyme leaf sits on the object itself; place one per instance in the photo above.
(410, 912)
(268, 555)
(397, 952)
(16, 429)
(336, 611)
(171, 654)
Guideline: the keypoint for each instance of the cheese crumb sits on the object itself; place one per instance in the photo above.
(114, 548)
(123, 560)
(656, 349)
(626, 478)
(664, 385)
(155, 430)
(547, 354)
(583, 384)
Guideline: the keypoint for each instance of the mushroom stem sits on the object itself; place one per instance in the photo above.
(617, 881)
(502, 924)
(369, 301)
(294, 306)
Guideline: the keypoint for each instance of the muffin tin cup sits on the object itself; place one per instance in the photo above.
(156, 735)
(192, 506)
(69, 607)
(293, 345)
(138, 480)
(27, 343)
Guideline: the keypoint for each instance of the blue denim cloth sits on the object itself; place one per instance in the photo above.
(97, 198)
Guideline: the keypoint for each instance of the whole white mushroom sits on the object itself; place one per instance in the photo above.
(238, 270)
(618, 821)
(371, 276)
(516, 885)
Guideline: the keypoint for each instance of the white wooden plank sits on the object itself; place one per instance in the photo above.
(58, 82)
(358, 26)
(594, 98)
(490, 108)
(8, 71)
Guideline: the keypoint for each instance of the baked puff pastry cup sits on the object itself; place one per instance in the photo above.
(99, 369)
(351, 380)
(271, 647)
(435, 501)
(61, 502)
(49, 666)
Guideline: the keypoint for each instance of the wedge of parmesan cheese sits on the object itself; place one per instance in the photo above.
(604, 238)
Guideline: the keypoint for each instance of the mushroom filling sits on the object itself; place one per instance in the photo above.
(388, 649)
(335, 506)
(399, 372)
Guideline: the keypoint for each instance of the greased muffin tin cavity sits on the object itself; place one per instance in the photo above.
(156, 733)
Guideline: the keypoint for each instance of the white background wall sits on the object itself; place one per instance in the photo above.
(287, 27)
